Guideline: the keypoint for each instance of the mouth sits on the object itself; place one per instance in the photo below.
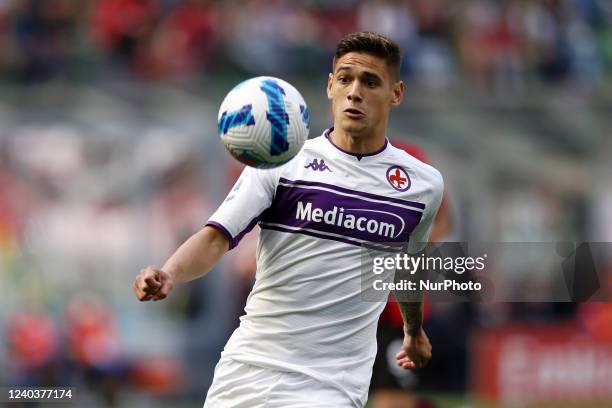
(354, 113)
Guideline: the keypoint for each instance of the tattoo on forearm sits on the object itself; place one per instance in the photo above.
(410, 301)
(412, 313)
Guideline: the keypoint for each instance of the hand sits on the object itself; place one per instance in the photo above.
(415, 352)
(152, 284)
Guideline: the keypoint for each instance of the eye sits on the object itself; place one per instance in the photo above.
(343, 80)
(371, 83)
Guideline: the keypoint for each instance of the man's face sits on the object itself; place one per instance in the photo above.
(362, 90)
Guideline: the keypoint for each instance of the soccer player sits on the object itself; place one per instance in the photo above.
(308, 338)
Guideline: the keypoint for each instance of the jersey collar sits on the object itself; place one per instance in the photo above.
(357, 155)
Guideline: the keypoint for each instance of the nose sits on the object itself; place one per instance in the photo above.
(354, 94)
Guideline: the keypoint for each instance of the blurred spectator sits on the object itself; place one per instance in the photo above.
(392, 18)
(123, 27)
(596, 317)
(34, 345)
(276, 37)
(335, 18)
(43, 34)
(184, 43)
(92, 332)
(7, 48)
(488, 45)
(582, 48)
(544, 40)
(94, 346)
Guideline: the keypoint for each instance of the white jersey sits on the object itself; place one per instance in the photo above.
(305, 312)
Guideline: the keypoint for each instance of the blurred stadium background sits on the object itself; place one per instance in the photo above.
(109, 158)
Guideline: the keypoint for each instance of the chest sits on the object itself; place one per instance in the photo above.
(346, 201)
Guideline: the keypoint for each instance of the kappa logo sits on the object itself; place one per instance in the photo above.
(398, 178)
(317, 165)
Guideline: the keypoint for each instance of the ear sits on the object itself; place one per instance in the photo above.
(330, 79)
(398, 93)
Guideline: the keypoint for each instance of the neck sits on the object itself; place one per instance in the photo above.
(357, 144)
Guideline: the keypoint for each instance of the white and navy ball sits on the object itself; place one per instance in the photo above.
(263, 122)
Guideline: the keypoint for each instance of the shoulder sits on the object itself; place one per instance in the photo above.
(425, 172)
(317, 147)
(315, 144)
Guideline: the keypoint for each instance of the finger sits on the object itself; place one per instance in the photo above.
(164, 291)
(401, 354)
(137, 290)
(142, 296)
(147, 288)
(408, 365)
(419, 364)
(141, 290)
(152, 282)
(404, 360)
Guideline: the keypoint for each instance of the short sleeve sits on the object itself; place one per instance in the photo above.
(420, 236)
(249, 198)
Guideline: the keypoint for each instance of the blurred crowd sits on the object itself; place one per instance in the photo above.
(83, 349)
(503, 45)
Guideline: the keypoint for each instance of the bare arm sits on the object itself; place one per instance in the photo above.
(197, 256)
(412, 314)
(194, 258)
(416, 349)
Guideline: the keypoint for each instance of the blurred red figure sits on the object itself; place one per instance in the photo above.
(596, 317)
(121, 26)
(32, 340)
(193, 26)
(92, 333)
(33, 351)
(182, 44)
(94, 346)
(391, 385)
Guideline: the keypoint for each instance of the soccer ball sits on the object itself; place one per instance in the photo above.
(263, 122)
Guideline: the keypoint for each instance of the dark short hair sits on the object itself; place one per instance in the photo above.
(372, 43)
